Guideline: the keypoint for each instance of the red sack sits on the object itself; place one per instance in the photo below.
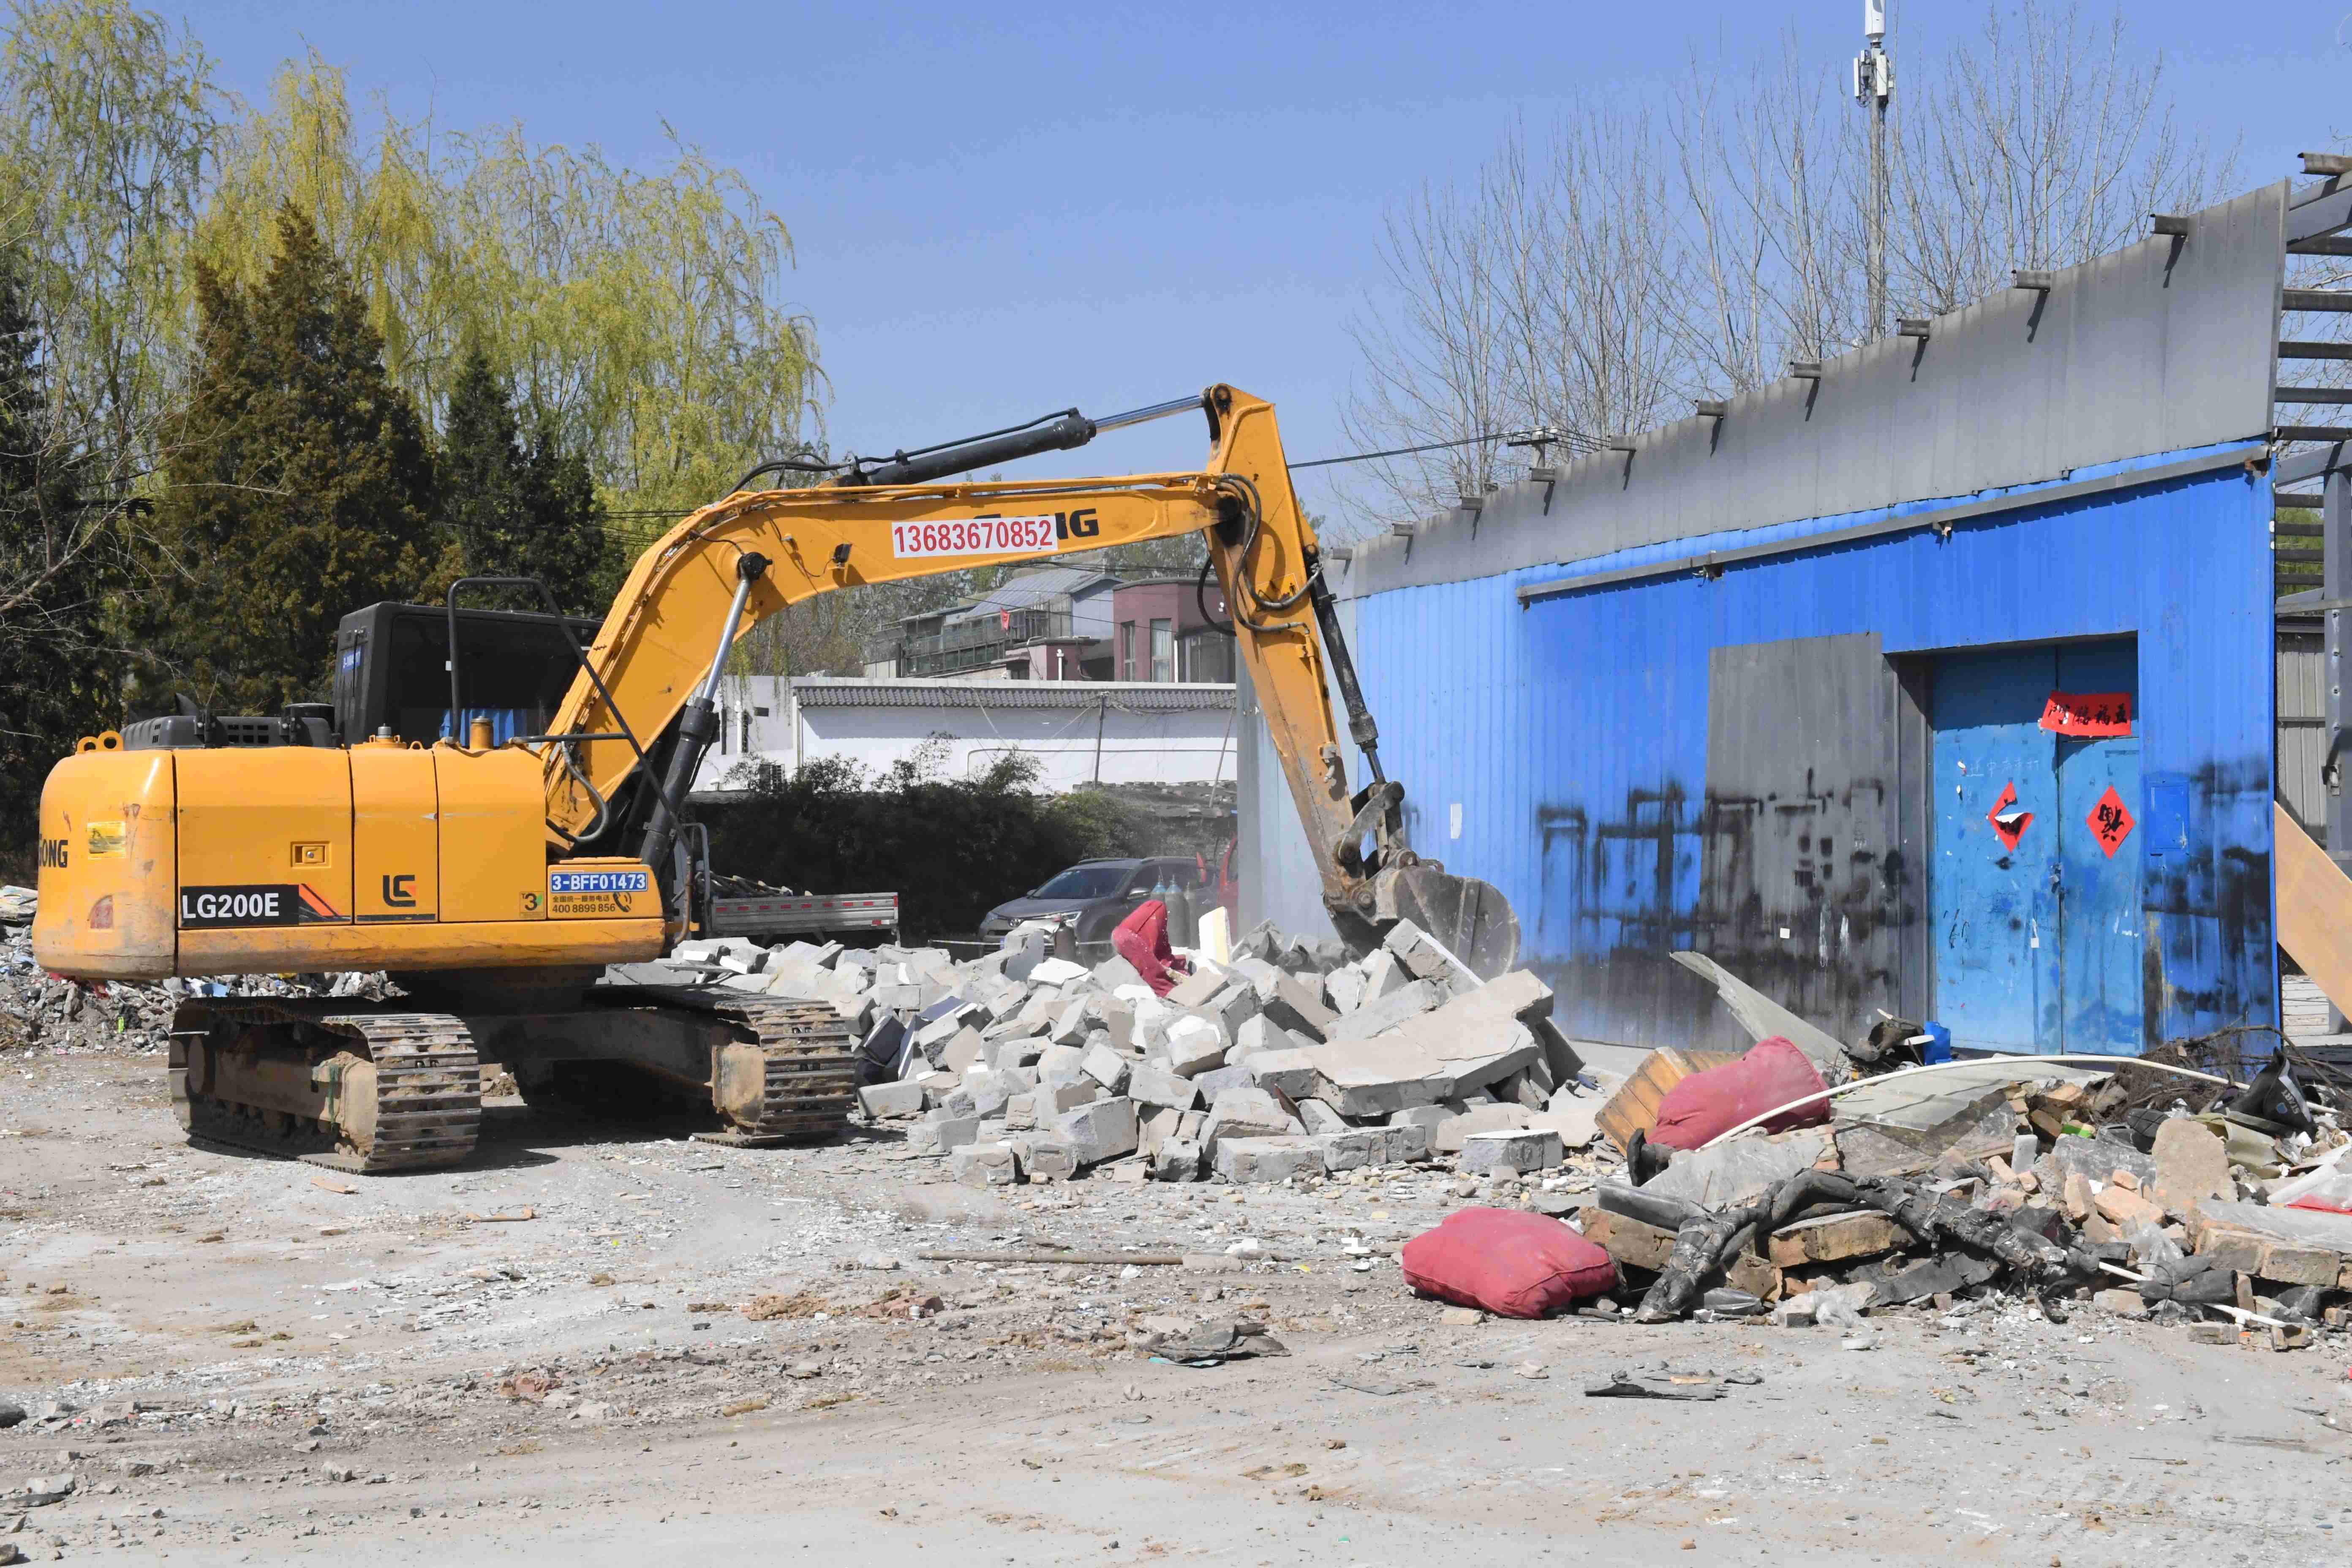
(1708, 1104)
(1510, 1262)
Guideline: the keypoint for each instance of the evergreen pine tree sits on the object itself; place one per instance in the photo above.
(58, 567)
(300, 488)
(518, 511)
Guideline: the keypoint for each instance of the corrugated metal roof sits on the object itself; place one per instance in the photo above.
(1029, 589)
(1132, 696)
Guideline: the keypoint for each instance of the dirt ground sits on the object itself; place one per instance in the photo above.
(261, 1366)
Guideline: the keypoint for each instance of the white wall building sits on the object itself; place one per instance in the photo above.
(1080, 732)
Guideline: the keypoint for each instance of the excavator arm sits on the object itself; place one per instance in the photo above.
(657, 661)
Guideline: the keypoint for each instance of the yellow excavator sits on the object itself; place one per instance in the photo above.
(495, 877)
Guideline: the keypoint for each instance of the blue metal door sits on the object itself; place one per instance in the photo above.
(2099, 843)
(2035, 924)
(1992, 881)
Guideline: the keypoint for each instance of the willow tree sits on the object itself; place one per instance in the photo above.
(638, 313)
(109, 120)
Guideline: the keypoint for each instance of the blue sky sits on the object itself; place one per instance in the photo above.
(1003, 211)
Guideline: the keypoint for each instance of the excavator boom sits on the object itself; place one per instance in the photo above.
(654, 662)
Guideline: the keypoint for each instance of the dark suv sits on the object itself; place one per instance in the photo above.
(1100, 893)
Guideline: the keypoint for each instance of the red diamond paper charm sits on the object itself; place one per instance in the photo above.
(2008, 822)
(2111, 822)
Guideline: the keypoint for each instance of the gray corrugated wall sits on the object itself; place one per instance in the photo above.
(2301, 727)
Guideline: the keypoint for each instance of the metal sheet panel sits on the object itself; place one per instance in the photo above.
(1546, 725)
(2163, 346)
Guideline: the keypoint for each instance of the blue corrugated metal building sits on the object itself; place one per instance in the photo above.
(1937, 687)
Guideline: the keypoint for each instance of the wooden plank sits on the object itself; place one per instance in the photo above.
(2315, 908)
(1635, 1107)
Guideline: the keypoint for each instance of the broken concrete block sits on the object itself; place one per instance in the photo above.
(1344, 987)
(1196, 989)
(892, 1101)
(1179, 1160)
(1446, 1137)
(1071, 1024)
(1019, 1056)
(1215, 1082)
(2122, 1303)
(1056, 971)
(1021, 1112)
(1318, 1118)
(938, 1133)
(1732, 1173)
(1261, 1034)
(1236, 1004)
(1154, 1125)
(1408, 1144)
(1290, 1073)
(1420, 953)
(984, 1165)
(1466, 1045)
(992, 1091)
(2096, 1158)
(1115, 971)
(1520, 1089)
(1390, 1011)
(1194, 1045)
(956, 1102)
(1103, 1131)
(1834, 1238)
(1426, 1116)
(1355, 1147)
(1045, 1155)
(1248, 1161)
(1521, 1151)
(1576, 1121)
(1060, 1064)
(1377, 1077)
(1288, 1002)
(1152, 1084)
(1106, 1068)
(1052, 1102)
(2191, 1163)
(1118, 1019)
(1245, 1113)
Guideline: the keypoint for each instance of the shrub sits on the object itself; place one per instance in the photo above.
(951, 848)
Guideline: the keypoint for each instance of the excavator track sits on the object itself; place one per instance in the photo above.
(394, 1090)
(800, 1085)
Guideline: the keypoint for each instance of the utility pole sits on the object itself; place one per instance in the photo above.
(1874, 86)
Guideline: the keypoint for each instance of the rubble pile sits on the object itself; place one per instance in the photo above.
(2170, 1197)
(40, 1010)
(1287, 1061)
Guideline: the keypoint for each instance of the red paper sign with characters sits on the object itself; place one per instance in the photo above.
(2111, 822)
(2088, 714)
(2009, 823)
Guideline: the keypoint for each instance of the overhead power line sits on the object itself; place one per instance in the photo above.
(1573, 440)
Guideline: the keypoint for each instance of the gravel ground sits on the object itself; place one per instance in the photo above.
(238, 1360)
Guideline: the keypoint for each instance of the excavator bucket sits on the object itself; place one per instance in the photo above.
(1470, 917)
